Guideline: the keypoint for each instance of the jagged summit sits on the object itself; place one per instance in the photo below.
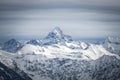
(57, 30)
(53, 37)
(57, 35)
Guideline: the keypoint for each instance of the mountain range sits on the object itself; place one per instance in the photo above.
(59, 57)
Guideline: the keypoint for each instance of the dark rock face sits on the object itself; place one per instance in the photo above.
(8, 74)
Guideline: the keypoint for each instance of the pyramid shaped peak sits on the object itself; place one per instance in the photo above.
(57, 30)
(56, 35)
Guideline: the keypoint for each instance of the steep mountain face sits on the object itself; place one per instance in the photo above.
(12, 45)
(9, 69)
(56, 36)
(112, 44)
(8, 74)
(56, 33)
(58, 57)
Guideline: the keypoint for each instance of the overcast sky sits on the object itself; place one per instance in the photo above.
(78, 18)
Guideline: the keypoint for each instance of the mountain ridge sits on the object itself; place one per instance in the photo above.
(54, 58)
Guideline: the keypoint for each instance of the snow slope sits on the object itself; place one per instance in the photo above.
(80, 51)
(50, 61)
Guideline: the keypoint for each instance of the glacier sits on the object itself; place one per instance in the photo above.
(59, 57)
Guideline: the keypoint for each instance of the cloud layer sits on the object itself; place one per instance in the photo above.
(79, 18)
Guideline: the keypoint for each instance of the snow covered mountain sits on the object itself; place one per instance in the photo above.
(56, 36)
(11, 45)
(53, 37)
(58, 57)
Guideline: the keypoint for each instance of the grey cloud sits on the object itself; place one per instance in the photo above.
(59, 14)
(109, 5)
(84, 18)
